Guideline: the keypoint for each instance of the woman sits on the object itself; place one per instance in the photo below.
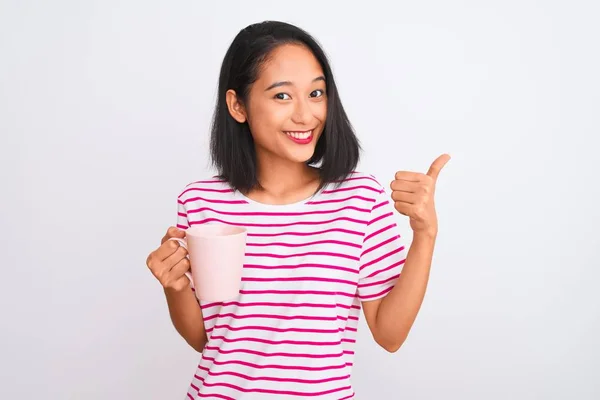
(322, 238)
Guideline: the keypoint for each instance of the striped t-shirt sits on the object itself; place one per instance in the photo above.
(291, 333)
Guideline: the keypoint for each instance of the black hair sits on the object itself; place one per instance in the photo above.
(232, 146)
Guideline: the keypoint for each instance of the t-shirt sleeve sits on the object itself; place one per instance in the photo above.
(183, 222)
(383, 252)
(182, 218)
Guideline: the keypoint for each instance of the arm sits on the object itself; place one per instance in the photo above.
(186, 316)
(391, 318)
(185, 312)
(169, 263)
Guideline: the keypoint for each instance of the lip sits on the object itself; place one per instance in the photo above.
(300, 141)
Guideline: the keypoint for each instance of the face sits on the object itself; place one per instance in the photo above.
(287, 105)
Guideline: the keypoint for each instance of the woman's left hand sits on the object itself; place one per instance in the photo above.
(413, 194)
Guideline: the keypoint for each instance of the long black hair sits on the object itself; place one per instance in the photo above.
(232, 146)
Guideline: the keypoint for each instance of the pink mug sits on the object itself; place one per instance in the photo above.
(216, 254)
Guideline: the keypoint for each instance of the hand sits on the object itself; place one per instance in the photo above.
(169, 262)
(413, 195)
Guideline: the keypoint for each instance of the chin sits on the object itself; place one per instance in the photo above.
(301, 153)
(301, 156)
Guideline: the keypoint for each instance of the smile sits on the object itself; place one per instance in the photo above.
(300, 137)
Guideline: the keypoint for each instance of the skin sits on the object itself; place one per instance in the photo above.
(290, 95)
(168, 264)
(391, 317)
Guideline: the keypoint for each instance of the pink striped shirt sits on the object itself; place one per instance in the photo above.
(291, 333)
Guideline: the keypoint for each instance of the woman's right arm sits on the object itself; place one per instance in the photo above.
(168, 264)
(187, 317)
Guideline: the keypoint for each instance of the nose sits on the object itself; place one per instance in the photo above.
(302, 113)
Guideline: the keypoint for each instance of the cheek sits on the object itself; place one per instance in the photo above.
(320, 111)
(266, 120)
(278, 116)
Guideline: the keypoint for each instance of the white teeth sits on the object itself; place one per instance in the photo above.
(299, 135)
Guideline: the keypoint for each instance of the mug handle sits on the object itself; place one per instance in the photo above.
(183, 243)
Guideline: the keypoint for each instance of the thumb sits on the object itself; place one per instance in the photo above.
(173, 232)
(176, 232)
(437, 165)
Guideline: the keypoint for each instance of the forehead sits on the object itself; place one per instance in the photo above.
(290, 62)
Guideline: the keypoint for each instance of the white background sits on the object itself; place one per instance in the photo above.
(104, 115)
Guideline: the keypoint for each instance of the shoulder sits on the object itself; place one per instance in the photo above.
(358, 188)
(361, 182)
(211, 187)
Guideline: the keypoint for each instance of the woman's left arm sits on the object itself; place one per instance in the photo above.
(390, 318)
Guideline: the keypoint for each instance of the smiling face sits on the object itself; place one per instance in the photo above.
(286, 107)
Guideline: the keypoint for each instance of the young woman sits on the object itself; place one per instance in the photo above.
(322, 238)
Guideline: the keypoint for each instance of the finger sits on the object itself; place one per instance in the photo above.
(409, 176)
(156, 259)
(174, 258)
(166, 250)
(403, 208)
(173, 232)
(437, 165)
(409, 198)
(174, 278)
(405, 186)
(179, 269)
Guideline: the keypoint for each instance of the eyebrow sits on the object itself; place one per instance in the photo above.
(288, 83)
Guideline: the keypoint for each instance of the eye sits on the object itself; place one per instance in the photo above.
(317, 93)
(282, 96)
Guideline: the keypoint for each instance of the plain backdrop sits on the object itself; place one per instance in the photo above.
(104, 115)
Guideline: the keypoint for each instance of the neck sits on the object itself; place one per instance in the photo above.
(284, 181)
(279, 178)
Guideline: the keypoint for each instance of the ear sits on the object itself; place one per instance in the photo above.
(235, 106)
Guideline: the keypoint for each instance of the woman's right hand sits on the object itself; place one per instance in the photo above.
(169, 262)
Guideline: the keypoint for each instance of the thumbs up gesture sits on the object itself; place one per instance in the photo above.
(413, 195)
